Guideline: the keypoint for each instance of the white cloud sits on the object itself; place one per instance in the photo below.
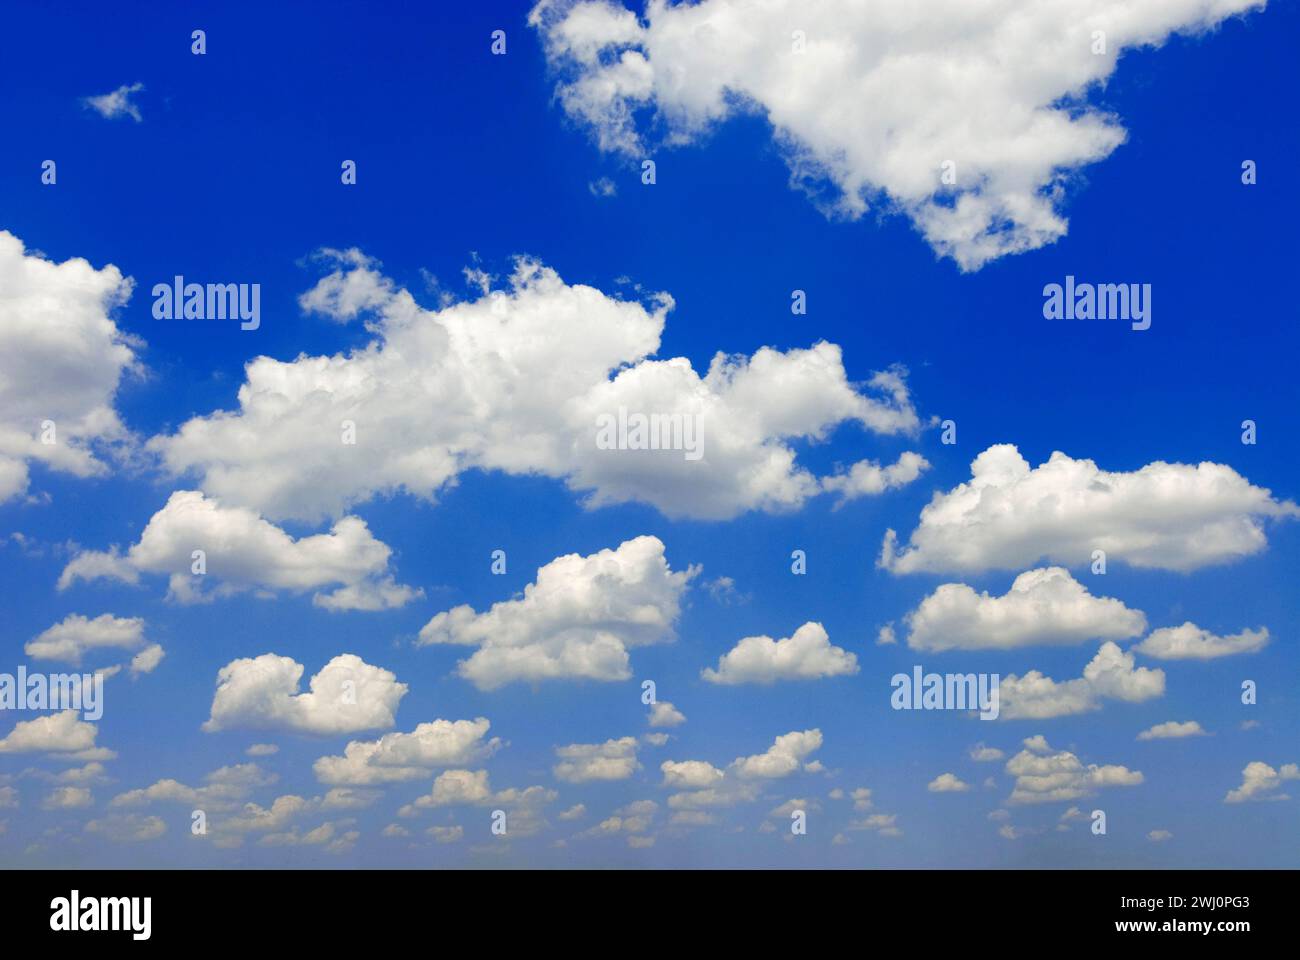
(147, 660)
(866, 478)
(519, 377)
(575, 621)
(664, 714)
(585, 762)
(117, 103)
(67, 798)
(1172, 730)
(1045, 606)
(868, 101)
(947, 783)
(807, 655)
(346, 696)
(62, 358)
(128, 828)
(62, 734)
(982, 754)
(446, 834)
(690, 774)
(1111, 674)
(262, 750)
(705, 786)
(781, 759)
(1158, 836)
(454, 788)
(1190, 642)
(242, 552)
(223, 789)
(1164, 515)
(74, 636)
(1259, 781)
(409, 756)
(1045, 777)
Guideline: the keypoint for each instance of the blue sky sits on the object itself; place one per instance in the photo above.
(469, 159)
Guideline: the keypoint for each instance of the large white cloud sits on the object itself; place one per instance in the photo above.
(346, 696)
(1045, 606)
(1190, 642)
(1010, 516)
(517, 380)
(74, 636)
(874, 98)
(1047, 776)
(807, 655)
(244, 552)
(575, 621)
(409, 756)
(62, 358)
(1111, 675)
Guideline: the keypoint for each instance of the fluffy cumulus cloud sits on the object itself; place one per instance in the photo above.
(1045, 606)
(784, 757)
(524, 380)
(585, 762)
(701, 785)
(62, 358)
(575, 621)
(948, 783)
(807, 655)
(868, 478)
(664, 714)
(74, 636)
(1190, 642)
(1044, 775)
(1010, 516)
(870, 101)
(62, 735)
(459, 788)
(1259, 781)
(409, 756)
(242, 551)
(347, 695)
(1111, 675)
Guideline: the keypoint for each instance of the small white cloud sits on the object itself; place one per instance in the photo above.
(948, 783)
(116, 104)
(1172, 730)
(664, 714)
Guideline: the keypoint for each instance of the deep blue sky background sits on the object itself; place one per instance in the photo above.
(234, 176)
